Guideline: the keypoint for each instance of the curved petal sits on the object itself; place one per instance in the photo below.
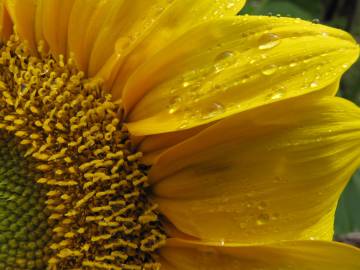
(103, 33)
(272, 173)
(55, 20)
(38, 14)
(145, 28)
(22, 13)
(300, 255)
(153, 146)
(5, 22)
(124, 25)
(226, 66)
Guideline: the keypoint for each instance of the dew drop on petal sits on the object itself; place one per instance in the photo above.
(230, 5)
(174, 104)
(262, 219)
(313, 84)
(186, 84)
(268, 41)
(223, 60)
(252, 61)
(213, 110)
(224, 55)
(276, 94)
(269, 70)
(325, 34)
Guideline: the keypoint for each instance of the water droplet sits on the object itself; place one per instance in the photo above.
(230, 5)
(316, 21)
(224, 55)
(268, 41)
(223, 60)
(174, 104)
(293, 64)
(186, 84)
(245, 78)
(269, 70)
(213, 110)
(218, 106)
(325, 34)
(276, 94)
(262, 219)
(122, 44)
(184, 125)
(345, 65)
(313, 84)
(222, 242)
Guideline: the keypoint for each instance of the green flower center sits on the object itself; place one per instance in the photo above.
(72, 191)
(24, 230)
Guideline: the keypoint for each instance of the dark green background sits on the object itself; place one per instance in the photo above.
(343, 14)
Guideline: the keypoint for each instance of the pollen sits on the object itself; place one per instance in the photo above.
(70, 178)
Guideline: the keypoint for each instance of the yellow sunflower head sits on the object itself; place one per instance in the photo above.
(173, 134)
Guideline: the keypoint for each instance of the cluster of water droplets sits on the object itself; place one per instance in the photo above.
(194, 94)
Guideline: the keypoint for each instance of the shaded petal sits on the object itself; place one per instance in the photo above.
(223, 67)
(299, 255)
(55, 20)
(22, 13)
(5, 22)
(272, 173)
(39, 11)
(86, 20)
(152, 146)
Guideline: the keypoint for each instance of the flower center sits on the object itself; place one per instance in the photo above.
(74, 189)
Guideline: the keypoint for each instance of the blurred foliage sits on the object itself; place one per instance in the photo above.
(344, 14)
(348, 217)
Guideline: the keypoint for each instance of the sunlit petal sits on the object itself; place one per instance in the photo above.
(223, 67)
(272, 173)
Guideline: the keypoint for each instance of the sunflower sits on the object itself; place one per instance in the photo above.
(171, 133)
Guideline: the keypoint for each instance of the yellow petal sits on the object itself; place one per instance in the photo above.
(299, 255)
(81, 28)
(39, 29)
(22, 13)
(5, 22)
(125, 24)
(272, 173)
(148, 27)
(153, 146)
(223, 67)
(55, 19)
